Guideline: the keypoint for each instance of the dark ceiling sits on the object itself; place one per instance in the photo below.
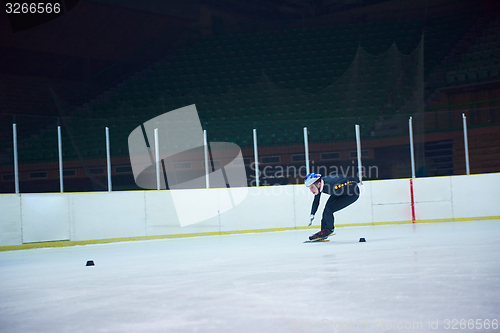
(94, 35)
(97, 43)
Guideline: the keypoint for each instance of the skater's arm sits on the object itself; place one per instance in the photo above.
(315, 204)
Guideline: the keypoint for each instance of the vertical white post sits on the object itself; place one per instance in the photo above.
(205, 149)
(306, 144)
(412, 153)
(59, 144)
(16, 165)
(256, 157)
(157, 160)
(466, 145)
(108, 160)
(358, 148)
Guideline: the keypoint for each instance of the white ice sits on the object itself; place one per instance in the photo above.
(405, 278)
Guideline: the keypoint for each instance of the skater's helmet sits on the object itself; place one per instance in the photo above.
(312, 178)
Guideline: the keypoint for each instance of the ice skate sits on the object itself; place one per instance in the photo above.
(321, 236)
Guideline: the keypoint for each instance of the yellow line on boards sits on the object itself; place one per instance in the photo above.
(67, 243)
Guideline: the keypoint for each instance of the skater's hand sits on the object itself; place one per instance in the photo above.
(311, 218)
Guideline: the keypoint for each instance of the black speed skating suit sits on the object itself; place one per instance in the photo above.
(343, 191)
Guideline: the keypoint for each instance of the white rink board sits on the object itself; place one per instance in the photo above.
(385, 192)
(161, 217)
(104, 215)
(10, 221)
(433, 189)
(101, 215)
(433, 198)
(476, 195)
(391, 200)
(264, 208)
(45, 217)
(433, 210)
(392, 212)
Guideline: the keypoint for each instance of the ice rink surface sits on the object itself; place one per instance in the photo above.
(406, 278)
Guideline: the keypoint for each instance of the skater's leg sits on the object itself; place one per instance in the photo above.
(344, 201)
(327, 222)
(335, 204)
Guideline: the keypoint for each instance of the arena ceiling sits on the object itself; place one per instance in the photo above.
(95, 34)
(99, 42)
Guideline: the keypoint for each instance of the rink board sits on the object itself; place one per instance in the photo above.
(80, 217)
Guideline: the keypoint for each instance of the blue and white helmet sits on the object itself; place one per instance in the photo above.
(312, 178)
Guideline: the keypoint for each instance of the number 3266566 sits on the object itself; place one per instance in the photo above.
(32, 8)
(455, 324)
